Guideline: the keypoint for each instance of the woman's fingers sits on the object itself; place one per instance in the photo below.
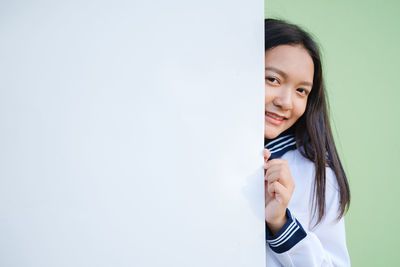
(280, 192)
(273, 174)
(277, 170)
(267, 154)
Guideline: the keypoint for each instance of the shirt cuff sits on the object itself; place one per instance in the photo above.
(290, 234)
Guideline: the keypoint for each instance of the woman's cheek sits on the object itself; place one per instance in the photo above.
(268, 95)
(300, 107)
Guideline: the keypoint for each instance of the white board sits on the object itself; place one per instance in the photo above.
(131, 133)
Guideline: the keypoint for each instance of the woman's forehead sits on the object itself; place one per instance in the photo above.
(290, 60)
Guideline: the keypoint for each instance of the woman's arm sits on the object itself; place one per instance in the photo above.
(325, 245)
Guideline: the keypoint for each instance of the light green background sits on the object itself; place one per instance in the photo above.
(360, 43)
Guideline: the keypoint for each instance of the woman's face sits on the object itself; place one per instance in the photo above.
(289, 72)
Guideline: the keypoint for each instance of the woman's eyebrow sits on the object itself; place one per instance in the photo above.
(306, 83)
(284, 75)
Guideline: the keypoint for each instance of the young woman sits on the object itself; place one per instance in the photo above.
(306, 189)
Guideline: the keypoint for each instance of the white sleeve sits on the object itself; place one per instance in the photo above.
(325, 245)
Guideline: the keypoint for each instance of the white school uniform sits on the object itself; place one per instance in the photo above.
(298, 243)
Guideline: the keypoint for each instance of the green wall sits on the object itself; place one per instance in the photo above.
(360, 42)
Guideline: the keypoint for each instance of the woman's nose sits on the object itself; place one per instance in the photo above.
(284, 99)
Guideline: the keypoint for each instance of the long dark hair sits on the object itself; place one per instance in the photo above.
(312, 130)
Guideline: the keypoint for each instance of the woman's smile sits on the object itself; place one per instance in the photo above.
(274, 118)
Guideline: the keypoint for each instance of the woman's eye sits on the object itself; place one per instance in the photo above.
(272, 80)
(302, 91)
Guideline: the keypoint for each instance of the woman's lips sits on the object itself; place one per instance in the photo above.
(274, 118)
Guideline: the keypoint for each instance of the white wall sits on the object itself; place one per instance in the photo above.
(131, 133)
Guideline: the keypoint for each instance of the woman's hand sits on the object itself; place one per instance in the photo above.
(279, 187)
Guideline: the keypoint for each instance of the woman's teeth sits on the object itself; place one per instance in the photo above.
(275, 117)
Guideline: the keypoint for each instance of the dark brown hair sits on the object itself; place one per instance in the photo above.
(312, 130)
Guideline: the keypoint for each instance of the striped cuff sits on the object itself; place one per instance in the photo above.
(290, 234)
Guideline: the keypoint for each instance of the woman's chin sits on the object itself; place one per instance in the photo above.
(272, 132)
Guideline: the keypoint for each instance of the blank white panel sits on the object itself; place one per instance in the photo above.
(131, 133)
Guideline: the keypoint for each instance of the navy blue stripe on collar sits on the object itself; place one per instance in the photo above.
(281, 144)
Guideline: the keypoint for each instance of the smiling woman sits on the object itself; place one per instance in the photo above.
(289, 71)
(306, 189)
